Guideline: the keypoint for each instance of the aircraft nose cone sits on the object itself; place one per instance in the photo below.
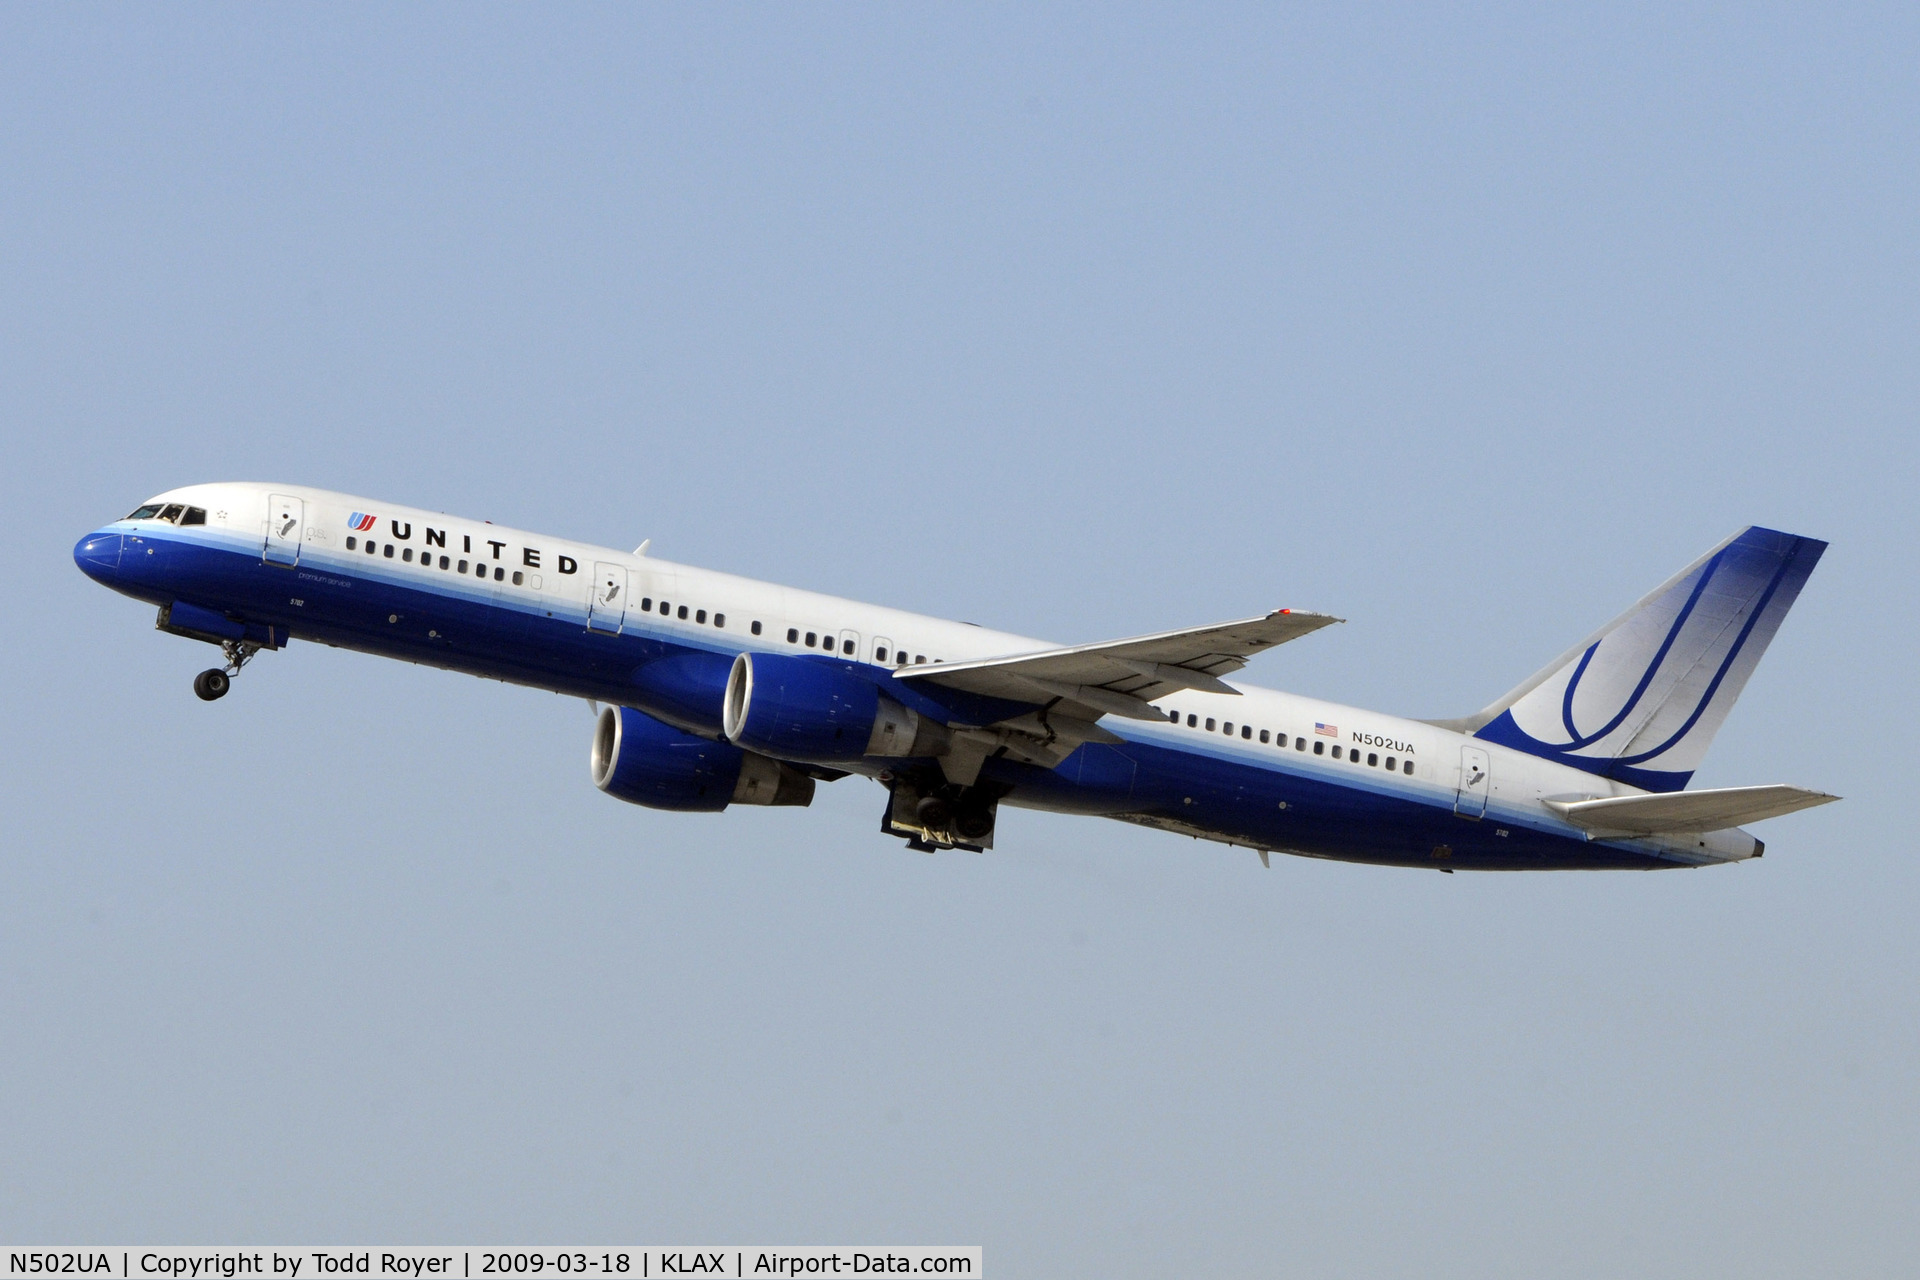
(98, 555)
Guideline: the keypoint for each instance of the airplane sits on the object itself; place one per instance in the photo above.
(713, 690)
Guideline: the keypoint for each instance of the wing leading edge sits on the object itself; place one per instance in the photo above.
(1073, 687)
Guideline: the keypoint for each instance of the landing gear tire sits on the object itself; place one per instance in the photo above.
(971, 823)
(211, 684)
(935, 813)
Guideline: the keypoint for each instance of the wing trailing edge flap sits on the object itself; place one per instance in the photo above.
(1073, 687)
(1676, 812)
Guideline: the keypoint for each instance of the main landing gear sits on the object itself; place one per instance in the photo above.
(214, 682)
(931, 813)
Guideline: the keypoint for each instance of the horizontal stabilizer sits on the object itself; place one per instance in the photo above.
(1682, 811)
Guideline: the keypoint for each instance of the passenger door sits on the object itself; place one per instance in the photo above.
(1476, 780)
(286, 526)
(607, 607)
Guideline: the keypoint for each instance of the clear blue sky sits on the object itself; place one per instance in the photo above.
(1468, 326)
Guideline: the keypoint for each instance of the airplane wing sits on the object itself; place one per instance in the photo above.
(1680, 811)
(1071, 688)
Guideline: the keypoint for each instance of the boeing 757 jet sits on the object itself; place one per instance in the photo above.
(720, 690)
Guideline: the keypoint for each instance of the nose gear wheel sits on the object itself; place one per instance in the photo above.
(212, 684)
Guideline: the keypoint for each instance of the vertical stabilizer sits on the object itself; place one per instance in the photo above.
(1640, 700)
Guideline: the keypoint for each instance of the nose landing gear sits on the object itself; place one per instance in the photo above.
(213, 683)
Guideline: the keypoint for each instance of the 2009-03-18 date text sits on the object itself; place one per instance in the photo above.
(533, 1264)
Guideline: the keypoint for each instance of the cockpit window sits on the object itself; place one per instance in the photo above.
(172, 512)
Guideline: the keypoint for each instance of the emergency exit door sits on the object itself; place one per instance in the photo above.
(607, 608)
(1470, 801)
(286, 526)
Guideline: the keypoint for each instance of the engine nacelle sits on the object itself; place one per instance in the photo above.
(808, 709)
(642, 761)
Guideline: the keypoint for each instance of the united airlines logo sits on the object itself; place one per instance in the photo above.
(359, 522)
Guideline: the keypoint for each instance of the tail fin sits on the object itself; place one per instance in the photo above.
(1640, 699)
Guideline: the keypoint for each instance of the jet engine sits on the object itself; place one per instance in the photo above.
(808, 709)
(642, 761)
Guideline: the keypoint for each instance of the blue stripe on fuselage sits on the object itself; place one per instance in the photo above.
(1259, 798)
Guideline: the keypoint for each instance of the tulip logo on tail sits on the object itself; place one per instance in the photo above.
(1641, 700)
(359, 523)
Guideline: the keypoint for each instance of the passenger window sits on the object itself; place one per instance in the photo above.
(683, 613)
(1193, 721)
(813, 638)
(846, 647)
(900, 657)
(880, 653)
(1246, 731)
(720, 620)
(1373, 759)
(353, 544)
(388, 553)
(1406, 767)
(518, 578)
(1336, 753)
(463, 566)
(443, 562)
(919, 658)
(700, 616)
(646, 604)
(1320, 748)
(1263, 737)
(1299, 744)
(194, 515)
(1390, 765)
(1227, 728)
(1209, 724)
(793, 635)
(499, 574)
(665, 609)
(406, 554)
(756, 626)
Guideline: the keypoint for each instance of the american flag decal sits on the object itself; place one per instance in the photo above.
(1326, 730)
